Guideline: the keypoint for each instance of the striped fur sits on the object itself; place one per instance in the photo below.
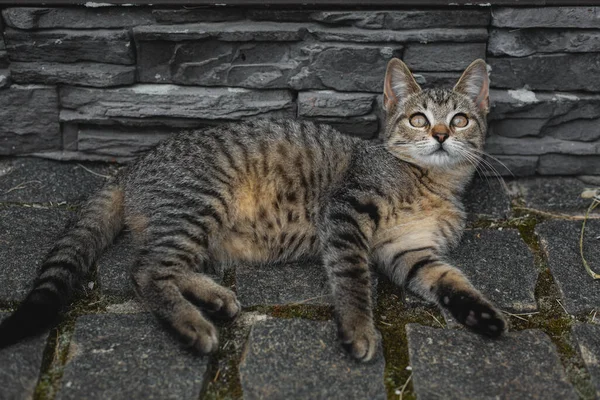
(263, 191)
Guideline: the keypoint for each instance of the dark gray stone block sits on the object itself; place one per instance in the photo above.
(118, 141)
(84, 73)
(33, 180)
(5, 79)
(517, 127)
(66, 46)
(442, 56)
(515, 166)
(588, 340)
(487, 198)
(364, 126)
(4, 61)
(302, 359)
(328, 103)
(28, 119)
(553, 194)
(21, 365)
(525, 42)
(500, 265)
(436, 79)
(142, 101)
(76, 17)
(560, 164)
(280, 15)
(115, 265)
(183, 16)
(560, 241)
(454, 364)
(547, 72)
(546, 17)
(325, 34)
(538, 146)
(405, 19)
(26, 234)
(129, 357)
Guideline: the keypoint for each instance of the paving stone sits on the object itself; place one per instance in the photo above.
(129, 357)
(28, 119)
(487, 198)
(21, 365)
(500, 265)
(454, 56)
(546, 17)
(62, 45)
(550, 72)
(562, 164)
(84, 74)
(114, 267)
(554, 194)
(405, 19)
(525, 42)
(34, 180)
(302, 359)
(588, 340)
(26, 235)
(327, 103)
(455, 364)
(76, 17)
(560, 241)
(141, 101)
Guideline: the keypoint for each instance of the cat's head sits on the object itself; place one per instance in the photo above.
(436, 127)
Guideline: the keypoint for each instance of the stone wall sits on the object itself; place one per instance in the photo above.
(105, 83)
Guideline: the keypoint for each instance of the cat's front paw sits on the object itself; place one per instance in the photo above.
(359, 338)
(475, 313)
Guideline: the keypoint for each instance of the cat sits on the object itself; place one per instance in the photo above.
(261, 191)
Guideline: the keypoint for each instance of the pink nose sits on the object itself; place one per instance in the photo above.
(440, 132)
(440, 136)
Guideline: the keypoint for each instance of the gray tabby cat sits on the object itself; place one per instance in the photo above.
(264, 191)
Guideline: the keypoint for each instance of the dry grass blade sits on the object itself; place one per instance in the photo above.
(436, 320)
(94, 172)
(404, 387)
(20, 186)
(587, 267)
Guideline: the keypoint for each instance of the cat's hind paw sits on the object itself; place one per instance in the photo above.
(475, 313)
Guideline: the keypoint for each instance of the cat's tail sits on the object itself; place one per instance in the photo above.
(69, 261)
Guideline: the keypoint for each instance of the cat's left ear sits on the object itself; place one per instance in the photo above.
(398, 84)
(475, 83)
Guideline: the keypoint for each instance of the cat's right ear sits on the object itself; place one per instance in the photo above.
(398, 84)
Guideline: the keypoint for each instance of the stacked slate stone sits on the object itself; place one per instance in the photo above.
(546, 66)
(109, 82)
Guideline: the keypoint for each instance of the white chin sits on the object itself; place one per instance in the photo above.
(439, 159)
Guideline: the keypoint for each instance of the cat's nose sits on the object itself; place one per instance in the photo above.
(440, 133)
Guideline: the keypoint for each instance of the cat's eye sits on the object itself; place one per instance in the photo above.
(460, 120)
(418, 121)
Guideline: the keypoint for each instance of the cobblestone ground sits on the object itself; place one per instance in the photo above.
(521, 249)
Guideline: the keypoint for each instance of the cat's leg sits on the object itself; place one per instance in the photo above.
(425, 273)
(346, 257)
(166, 279)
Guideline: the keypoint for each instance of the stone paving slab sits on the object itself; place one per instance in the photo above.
(588, 340)
(21, 365)
(114, 266)
(129, 357)
(560, 241)
(556, 194)
(454, 364)
(34, 180)
(26, 234)
(301, 359)
(500, 265)
(487, 198)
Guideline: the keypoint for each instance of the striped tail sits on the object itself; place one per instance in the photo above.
(69, 261)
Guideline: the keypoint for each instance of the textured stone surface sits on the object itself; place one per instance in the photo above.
(118, 141)
(504, 272)
(560, 241)
(405, 36)
(4, 61)
(538, 146)
(280, 14)
(28, 119)
(515, 165)
(5, 79)
(182, 16)
(588, 340)
(302, 359)
(553, 194)
(547, 17)
(458, 365)
(547, 72)
(405, 19)
(436, 79)
(126, 357)
(517, 127)
(365, 126)
(76, 17)
(26, 234)
(560, 164)
(33, 180)
(487, 198)
(442, 56)
(328, 103)
(299, 65)
(114, 267)
(21, 367)
(140, 101)
(525, 42)
(84, 73)
(102, 45)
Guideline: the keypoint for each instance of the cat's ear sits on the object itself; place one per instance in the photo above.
(398, 84)
(475, 83)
